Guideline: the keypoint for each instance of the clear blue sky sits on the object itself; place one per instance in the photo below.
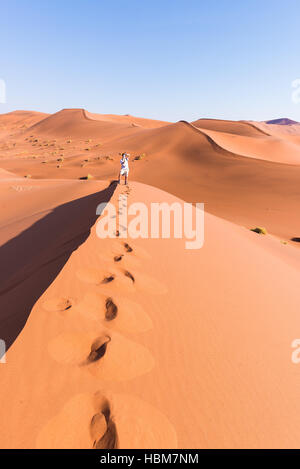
(165, 59)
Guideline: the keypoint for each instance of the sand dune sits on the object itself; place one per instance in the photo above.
(75, 123)
(32, 259)
(18, 121)
(141, 343)
(191, 165)
(200, 374)
(266, 148)
(243, 128)
(254, 140)
(244, 179)
(21, 119)
(127, 119)
(78, 123)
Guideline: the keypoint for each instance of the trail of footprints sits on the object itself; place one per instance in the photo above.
(109, 438)
(103, 429)
(99, 346)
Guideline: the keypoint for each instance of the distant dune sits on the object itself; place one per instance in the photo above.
(141, 343)
(283, 121)
(18, 121)
(245, 129)
(126, 119)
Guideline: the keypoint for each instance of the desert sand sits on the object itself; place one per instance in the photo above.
(141, 343)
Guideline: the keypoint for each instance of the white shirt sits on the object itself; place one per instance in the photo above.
(124, 163)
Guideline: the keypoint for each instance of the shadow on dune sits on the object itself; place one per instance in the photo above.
(33, 259)
(296, 240)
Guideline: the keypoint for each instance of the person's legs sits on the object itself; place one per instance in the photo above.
(126, 175)
(119, 177)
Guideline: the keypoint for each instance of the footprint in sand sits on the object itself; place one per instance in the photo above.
(101, 278)
(109, 278)
(149, 427)
(129, 275)
(95, 276)
(113, 311)
(115, 252)
(96, 307)
(131, 316)
(118, 258)
(142, 281)
(92, 420)
(58, 304)
(108, 356)
(98, 349)
(103, 428)
(84, 422)
(138, 251)
(98, 427)
(127, 247)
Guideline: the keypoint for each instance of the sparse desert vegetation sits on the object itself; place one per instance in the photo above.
(259, 230)
(88, 176)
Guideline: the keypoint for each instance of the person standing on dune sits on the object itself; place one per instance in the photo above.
(124, 167)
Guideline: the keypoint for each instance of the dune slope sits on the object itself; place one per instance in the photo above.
(211, 369)
(246, 129)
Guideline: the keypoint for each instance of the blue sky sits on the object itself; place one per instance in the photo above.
(164, 59)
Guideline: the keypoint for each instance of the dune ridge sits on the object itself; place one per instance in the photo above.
(236, 127)
(135, 121)
(282, 121)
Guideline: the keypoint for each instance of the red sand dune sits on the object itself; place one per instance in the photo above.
(76, 123)
(279, 129)
(21, 119)
(243, 128)
(255, 140)
(18, 121)
(194, 164)
(185, 367)
(262, 147)
(176, 348)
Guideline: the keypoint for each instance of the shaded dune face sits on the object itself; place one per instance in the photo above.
(21, 120)
(37, 254)
(245, 129)
(282, 121)
(79, 123)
